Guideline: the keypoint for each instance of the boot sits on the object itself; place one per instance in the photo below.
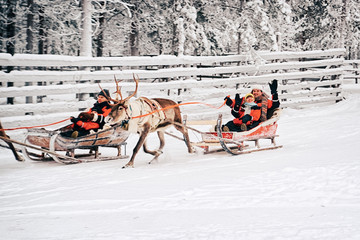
(225, 129)
(75, 134)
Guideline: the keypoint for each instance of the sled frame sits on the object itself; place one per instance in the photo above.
(67, 155)
(233, 147)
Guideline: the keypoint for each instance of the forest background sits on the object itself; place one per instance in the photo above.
(177, 27)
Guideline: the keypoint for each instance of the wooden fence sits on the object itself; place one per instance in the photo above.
(47, 88)
(352, 71)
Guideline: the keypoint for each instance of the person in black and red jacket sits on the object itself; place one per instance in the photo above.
(246, 112)
(94, 118)
(261, 99)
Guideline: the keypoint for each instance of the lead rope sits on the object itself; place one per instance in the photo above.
(140, 116)
(39, 126)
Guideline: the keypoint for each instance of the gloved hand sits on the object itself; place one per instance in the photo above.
(236, 108)
(246, 118)
(87, 117)
(273, 86)
(80, 123)
(237, 99)
(242, 107)
(237, 102)
(73, 119)
(275, 96)
(255, 107)
(228, 101)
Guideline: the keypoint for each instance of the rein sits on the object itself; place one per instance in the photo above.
(45, 125)
(177, 105)
(140, 116)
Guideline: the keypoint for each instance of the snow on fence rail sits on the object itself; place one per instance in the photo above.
(52, 86)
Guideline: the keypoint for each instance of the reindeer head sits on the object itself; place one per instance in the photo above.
(120, 110)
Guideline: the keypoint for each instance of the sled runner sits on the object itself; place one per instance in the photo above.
(53, 145)
(238, 142)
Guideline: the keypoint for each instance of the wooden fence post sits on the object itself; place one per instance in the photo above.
(356, 66)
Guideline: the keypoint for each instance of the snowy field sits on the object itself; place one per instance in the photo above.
(309, 189)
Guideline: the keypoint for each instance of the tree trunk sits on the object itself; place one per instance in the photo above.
(10, 34)
(239, 43)
(161, 47)
(10, 27)
(100, 37)
(30, 27)
(241, 5)
(343, 24)
(134, 39)
(174, 40)
(86, 33)
(2, 27)
(181, 37)
(42, 32)
(29, 40)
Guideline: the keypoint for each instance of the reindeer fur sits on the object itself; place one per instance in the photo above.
(124, 110)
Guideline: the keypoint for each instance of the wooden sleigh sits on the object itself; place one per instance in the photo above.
(54, 145)
(238, 142)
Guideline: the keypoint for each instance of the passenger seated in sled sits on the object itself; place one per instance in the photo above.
(247, 114)
(93, 119)
(266, 105)
(262, 99)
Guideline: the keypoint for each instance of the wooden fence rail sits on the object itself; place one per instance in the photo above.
(46, 88)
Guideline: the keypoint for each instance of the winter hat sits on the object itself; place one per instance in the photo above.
(104, 93)
(249, 95)
(260, 87)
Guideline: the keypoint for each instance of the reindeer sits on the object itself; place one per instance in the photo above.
(125, 112)
(11, 146)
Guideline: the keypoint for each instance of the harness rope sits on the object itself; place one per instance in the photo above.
(177, 105)
(140, 116)
(45, 125)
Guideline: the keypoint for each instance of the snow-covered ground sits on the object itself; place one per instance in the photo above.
(309, 189)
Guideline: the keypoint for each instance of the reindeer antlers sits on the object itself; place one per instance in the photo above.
(118, 90)
(136, 88)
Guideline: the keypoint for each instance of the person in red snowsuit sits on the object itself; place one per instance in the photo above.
(94, 118)
(247, 117)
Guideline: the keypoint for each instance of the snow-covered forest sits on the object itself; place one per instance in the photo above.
(190, 27)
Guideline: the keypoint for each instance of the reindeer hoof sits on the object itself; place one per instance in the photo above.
(128, 165)
(192, 150)
(154, 159)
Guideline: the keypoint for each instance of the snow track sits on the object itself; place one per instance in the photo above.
(309, 189)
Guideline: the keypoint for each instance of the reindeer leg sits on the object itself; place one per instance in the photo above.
(157, 152)
(161, 136)
(141, 141)
(186, 137)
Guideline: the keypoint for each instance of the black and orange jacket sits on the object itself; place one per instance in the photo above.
(102, 109)
(254, 113)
